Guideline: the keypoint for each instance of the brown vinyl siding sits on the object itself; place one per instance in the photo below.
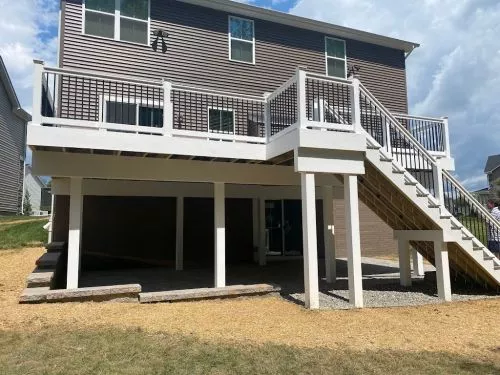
(198, 53)
(12, 149)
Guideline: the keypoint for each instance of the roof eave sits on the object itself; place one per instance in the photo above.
(305, 23)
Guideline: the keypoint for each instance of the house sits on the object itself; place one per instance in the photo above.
(13, 121)
(39, 194)
(212, 133)
(492, 169)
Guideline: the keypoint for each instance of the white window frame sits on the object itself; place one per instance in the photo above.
(230, 38)
(210, 131)
(139, 102)
(335, 58)
(117, 17)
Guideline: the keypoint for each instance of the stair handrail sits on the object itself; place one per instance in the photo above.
(469, 196)
(398, 125)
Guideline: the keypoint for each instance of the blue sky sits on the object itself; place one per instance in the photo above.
(454, 73)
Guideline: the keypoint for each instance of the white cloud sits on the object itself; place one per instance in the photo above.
(454, 73)
(27, 31)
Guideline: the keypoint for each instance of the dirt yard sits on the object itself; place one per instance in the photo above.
(471, 329)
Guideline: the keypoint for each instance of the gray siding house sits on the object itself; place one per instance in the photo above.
(196, 134)
(13, 121)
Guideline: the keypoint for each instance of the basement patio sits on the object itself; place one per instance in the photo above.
(381, 282)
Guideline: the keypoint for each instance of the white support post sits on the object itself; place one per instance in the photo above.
(179, 235)
(301, 97)
(442, 270)
(356, 107)
(168, 110)
(75, 229)
(404, 262)
(329, 235)
(437, 174)
(353, 241)
(262, 232)
(418, 263)
(220, 235)
(311, 283)
(51, 219)
(446, 131)
(36, 110)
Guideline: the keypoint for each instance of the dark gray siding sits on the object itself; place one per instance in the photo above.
(12, 148)
(198, 53)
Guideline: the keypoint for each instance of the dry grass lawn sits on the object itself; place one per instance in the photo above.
(470, 329)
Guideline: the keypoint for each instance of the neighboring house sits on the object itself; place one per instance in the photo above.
(482, 196)
(210, 133)
(492, 170)
(38, 192)
(13, 120)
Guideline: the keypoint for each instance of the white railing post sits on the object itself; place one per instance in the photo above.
(356, 105)
(267, 117)
(36, 117)
(446, 137)
(437, 174)
(168, 110)
(301, 98)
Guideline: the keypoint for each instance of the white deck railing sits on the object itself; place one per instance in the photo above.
(115, 103)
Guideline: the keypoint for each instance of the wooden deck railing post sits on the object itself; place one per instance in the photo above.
(446, 137)
(301, 97)
(355, 94)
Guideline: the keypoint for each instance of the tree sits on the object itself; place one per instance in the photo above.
(27, 209)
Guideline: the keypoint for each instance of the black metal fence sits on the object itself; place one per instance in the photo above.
(331, 98)
(430, 133)
(283, 109)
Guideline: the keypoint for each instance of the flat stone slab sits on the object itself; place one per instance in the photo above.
(48, 260)
(41, 278)
(117, 293)
(34, 295)
(208, 293)
(55, 247)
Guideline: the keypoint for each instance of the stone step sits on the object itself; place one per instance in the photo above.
(41, 278)
(209, 293)
(48, 260)
(55, 247)
(117, 293)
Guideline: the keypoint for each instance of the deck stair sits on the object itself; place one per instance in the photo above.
(396, 187)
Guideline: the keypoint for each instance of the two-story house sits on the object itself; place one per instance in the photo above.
(13, 122)
(209, 133)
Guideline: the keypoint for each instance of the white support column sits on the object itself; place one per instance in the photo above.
(220, 235)
(437, 174)
(353, 241)
(36, 109)
(168, 111)
(329, 235)
(310, 241)
(301, 97)
(442, 270)
(267, 116)
(74, 236)
(404, 262)
(262, 232)
(179, 235)
(418, 263)
(51, 218)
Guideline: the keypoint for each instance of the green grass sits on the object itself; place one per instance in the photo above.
(135, 352)
(17, 235)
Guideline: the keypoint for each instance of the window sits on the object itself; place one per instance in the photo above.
(126, 20)
(336, 62)
(129, 113)
(241, 40)
(220, 121)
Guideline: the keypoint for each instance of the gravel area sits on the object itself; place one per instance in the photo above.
(380, 282)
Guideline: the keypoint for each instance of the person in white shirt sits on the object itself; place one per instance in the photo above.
(493, 231)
